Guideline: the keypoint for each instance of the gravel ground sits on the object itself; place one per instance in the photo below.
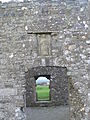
(48, 113)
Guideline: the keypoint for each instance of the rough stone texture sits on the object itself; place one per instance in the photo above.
(48, 113)
(68, 22)
(58, 86)
(78, 110)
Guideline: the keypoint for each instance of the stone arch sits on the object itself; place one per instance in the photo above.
(58, 86)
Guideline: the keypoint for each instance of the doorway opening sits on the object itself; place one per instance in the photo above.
(56, 86)
(43, 88)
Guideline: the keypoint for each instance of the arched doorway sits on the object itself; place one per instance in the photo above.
(58, 86)
(43, 88)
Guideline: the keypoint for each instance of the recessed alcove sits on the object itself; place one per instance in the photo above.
(57, 89)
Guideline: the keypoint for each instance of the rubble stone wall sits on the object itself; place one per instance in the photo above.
(24, 29)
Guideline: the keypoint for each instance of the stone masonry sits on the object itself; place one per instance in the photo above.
(38, 33)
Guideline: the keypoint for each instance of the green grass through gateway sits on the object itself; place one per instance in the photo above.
(43, 93)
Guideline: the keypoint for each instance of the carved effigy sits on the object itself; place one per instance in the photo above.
(44, 47)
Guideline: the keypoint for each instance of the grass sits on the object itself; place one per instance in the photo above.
(43, 93)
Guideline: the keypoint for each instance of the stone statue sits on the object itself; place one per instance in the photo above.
(44, 44)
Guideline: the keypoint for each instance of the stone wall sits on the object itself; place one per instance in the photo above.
(78, 111)
(67, 22)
